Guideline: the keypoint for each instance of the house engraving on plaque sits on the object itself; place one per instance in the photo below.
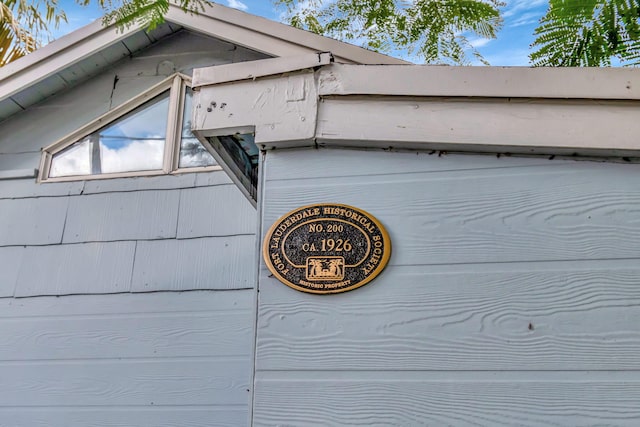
(326, 248)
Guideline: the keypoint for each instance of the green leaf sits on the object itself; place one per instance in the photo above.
(434, 29)
(588, 33)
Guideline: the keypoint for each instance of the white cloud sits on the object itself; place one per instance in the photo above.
(237, 4)
(515, 7)
(75, 160)
(526, 19)
(138, 155)
(476, 43)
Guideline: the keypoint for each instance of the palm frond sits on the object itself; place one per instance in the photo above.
(15, 41)
(24, 25)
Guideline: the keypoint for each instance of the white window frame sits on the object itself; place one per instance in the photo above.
(177, 86)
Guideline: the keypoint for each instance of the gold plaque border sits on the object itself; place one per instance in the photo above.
(383, 262)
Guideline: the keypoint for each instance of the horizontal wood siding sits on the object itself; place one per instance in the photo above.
(19, 161)
(103, 267)
(83, 237)
(161, 182)
(127, 359)
(10, 261)
(88, 238)
(26, 188)
(511, 295)
(565, 316)
(87, 335)
(499, 401)
(491, 215)
(121, 216)
(203, 263)
(215, 211)
(124, 382)
(129, 416)
(38, 221)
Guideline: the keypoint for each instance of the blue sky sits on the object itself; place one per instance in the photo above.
(510, 48)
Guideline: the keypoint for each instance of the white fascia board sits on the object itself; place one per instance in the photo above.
(270, 37)
(256, 69)
(50, 49)
(209, 25)
(310, 109)
(525, 126)
(57, 56)
(499, 82)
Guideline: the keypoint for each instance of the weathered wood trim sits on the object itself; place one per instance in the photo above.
(174, 124)
(542, 126)
(278, 108)
(518, 111)
(486, 82)
(255, 69)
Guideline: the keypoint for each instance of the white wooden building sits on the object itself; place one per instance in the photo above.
(127, 301)
(511, 197)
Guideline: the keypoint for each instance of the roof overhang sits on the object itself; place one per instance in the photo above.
(553, 111)
(243, 29)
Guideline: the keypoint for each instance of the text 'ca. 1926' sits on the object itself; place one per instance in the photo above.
(326, 248)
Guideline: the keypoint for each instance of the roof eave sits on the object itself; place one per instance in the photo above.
(585, 112)
(217, 21)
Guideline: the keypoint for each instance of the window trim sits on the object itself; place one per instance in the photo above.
(176, 84)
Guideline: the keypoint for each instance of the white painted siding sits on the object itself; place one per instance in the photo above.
(126, 236)
(123, 302)
(511, 296)
(201, 263)
(161, 359)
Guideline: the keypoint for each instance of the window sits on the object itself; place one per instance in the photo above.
(148, 135)
(238, 154)
(192, 152)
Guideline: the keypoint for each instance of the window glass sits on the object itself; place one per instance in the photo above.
(73, 160)
(134, 142)
(192, 152)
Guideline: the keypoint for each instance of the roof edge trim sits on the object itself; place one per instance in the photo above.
(54, 57)
(486, 82)
(260, 68)
(499, 110)
(217, 21)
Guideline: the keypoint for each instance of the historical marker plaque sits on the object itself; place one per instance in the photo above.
(326, 248)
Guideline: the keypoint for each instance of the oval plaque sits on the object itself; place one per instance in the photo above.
(326, 248)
